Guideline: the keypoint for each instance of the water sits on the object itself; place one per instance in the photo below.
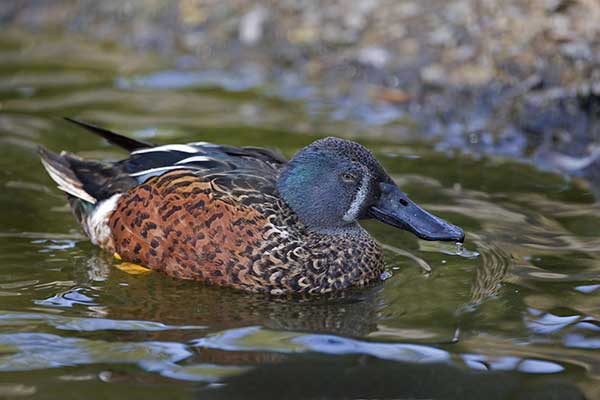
(513, 314)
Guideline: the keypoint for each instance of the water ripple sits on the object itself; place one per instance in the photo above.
(258, 339)
(8, 319)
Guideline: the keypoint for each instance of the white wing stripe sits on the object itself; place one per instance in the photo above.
(193, 159)
(153, 170)
(203, 144)
(170, 147)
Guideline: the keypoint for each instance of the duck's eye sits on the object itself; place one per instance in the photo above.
(348, 177)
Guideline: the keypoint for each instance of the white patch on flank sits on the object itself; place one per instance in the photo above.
(193, 159)
(361, 195)
(97, 223)
(185, 148)
(67, 185)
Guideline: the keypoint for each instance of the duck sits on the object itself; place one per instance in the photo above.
(242, 217)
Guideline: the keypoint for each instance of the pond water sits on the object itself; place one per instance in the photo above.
(516, 314)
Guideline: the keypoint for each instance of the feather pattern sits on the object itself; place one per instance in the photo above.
(235, 231)
(61, 172)
(212, 213)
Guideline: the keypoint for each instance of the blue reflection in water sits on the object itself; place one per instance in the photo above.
(173, 79)
(587, 288)
(55, 244)
(34, 351)
(330, 344)
(547, 323)
(258, 339)
(30, 351)
(68, 299)
(88, 324)
(579, 341)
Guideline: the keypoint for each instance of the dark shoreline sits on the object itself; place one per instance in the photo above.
(516, 80)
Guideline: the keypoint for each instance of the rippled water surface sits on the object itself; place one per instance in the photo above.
(514, 315)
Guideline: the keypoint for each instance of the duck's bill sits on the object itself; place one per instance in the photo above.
(396, 209)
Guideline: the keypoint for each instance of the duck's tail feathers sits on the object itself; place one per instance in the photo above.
(113, 137)
(91, 189)
(61, 172)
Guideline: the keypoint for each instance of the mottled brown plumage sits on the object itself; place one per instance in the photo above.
(242, 217)
(190, 227)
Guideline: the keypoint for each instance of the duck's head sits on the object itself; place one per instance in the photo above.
(333, 183)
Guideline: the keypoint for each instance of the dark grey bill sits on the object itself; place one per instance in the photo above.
(396, 209)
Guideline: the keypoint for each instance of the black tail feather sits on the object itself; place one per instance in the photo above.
(114, 138)
(88, 180)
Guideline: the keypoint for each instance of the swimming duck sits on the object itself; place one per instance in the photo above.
(242, 217)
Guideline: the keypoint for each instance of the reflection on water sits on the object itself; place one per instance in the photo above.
(512, 315)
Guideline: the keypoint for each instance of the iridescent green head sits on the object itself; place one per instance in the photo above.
(333, 183)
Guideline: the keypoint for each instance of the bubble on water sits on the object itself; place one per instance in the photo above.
(105, 376)
(459, 248)
(385, 275)
(449, 248)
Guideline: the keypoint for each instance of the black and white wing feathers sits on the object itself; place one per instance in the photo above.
(98, 180)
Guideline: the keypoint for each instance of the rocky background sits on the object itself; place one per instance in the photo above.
(519, 78)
